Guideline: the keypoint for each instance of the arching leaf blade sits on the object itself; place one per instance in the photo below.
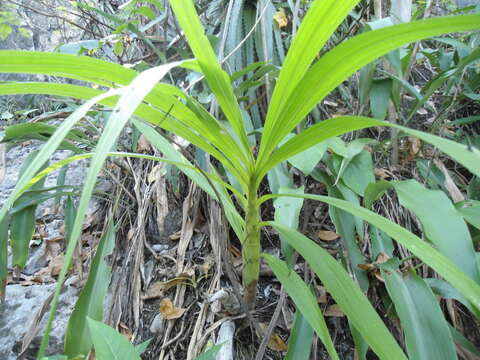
(351, 55)
(345, 292)
(304, 300)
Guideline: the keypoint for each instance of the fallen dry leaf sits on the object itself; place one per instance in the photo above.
(281, 18)
(367, 267)
(169, 311)
(53, 268)
(125, 331)
(322, 297)
(327, 235)
(415, 145)
(176, 236)
(449, 183)
(207, 265)
(56, 264)
(235, 251)
(275, 343)
(143, 144)
(382, 258)
(382, 173)
(334, 311)
(158, 288)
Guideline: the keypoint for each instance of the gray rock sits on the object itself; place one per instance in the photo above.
(22, 304)
(465, 3)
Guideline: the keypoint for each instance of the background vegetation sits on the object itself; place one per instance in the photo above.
(370, 108)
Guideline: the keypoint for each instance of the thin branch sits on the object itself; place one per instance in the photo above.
(57, 17)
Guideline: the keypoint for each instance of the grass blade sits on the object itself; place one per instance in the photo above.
(3, 258)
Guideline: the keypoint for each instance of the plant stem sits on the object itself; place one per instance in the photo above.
(251, 247)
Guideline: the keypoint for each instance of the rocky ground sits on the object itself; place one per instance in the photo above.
(27, 298)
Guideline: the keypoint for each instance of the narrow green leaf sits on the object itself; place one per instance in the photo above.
(380, 97)
(4, 224)
(342, 61)
(347, 226)
(218, 80)
(426, 332)
(25, 181)
(429, 255)
(342, 288)
(300, 340)
(381, 242)
(78, 340)
(287, 212)
(110, 344)
(210, 354)
(308, 159)
(444, 227)
(468, 157)
(69, 213)
(39, 131)
(302, 296)
(132, 96)
(22, 222)
(445, 290)
(320, 22)
(470, 210)
(140, 348)
(359, 172)
(462, 341)
(182, 121)
(22, 228)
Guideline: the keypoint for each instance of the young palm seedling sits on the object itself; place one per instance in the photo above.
(300, 86)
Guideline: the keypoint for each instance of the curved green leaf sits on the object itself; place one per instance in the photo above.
(429, 255)
(110, 344)
(320, 22)
(78, 340)
(132, 96)
(444, 227)
(345, 292)
(468, 157)
(426, 331)
(304, 300)
(218, 80)
(300, 340)
(341, 62)
(181, 120)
